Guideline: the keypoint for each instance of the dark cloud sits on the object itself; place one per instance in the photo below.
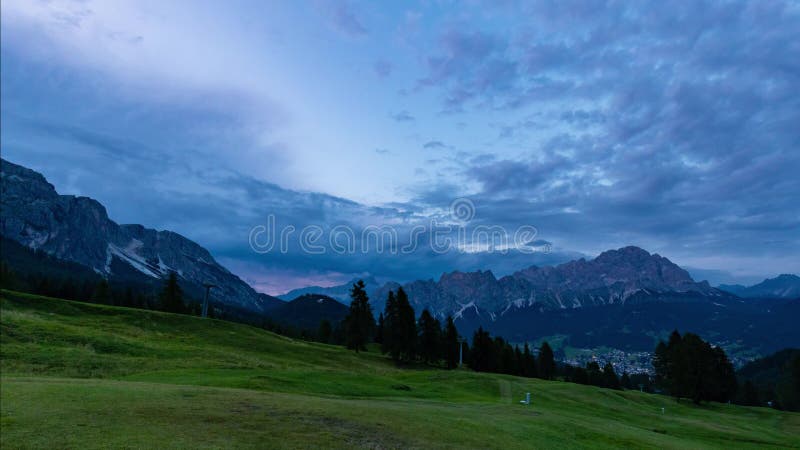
(671, 126)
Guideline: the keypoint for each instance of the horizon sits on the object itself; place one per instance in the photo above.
(596, 127)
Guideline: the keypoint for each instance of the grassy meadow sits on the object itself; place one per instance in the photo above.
(77, 375)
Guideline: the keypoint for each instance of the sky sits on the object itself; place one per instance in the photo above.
(673, 126)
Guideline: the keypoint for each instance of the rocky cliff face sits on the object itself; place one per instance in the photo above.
(78, 229)
(620, 276)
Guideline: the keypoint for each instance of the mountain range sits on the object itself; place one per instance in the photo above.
(615, 277)
(624, 298)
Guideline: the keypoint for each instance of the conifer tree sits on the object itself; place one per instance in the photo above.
(528, 362)
(407, 323)
(481, 352)
(391, 320)
(324, 332)
(451, 344)
(359, 323)
(547, 363)
(429, 337)
(610, 379)
(379, 330)
(625, 381)
(102, 293)
(171, 297)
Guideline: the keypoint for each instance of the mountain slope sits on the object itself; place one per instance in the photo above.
(782, 286)
(307, 311)
(339, 292)
(78, 229)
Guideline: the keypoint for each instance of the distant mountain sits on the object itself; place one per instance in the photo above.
(625, 299)
(782, 286)
(340, 292)
(78, 229)
(269, 302)
(307, 311)
(615, 277)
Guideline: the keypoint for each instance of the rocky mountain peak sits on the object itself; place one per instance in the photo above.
(78, 229)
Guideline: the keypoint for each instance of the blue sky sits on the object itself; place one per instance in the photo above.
(669, 126)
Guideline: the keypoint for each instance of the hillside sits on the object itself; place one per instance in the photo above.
(308, 310)
(101, 376)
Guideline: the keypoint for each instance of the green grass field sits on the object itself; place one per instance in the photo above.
(76, 375)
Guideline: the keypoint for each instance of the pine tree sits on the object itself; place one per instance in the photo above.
(359, 323)
(547, 363)
(171, 297)
(580, 375)
(407, 327)
(102, 293)
(451, 344)
(528, 362)
(481, 351)
(661, 365)
(128, 299)
(507, 365)
(610, 379)
(391, 324)
(8, 279)
(750, 394)
(379, 330)
(517, 361)
(625, 381)
(429, 337)
(324, 332)
(594, 374)
(723, 384)
(677, 366)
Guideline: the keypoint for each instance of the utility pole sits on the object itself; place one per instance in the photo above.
(460, 352)
(205, 301)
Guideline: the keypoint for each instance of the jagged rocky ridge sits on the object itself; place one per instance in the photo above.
(615, 277)
(78, 229)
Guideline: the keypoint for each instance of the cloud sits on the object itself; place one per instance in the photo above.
(434, 145)
(641, 124)
(673, 127)
(403, 116)
(342, 17)
(382, 68)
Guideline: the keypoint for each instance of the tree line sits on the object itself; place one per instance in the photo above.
(689, 367)
(407, 338)
(96, 289)
(773, 380)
